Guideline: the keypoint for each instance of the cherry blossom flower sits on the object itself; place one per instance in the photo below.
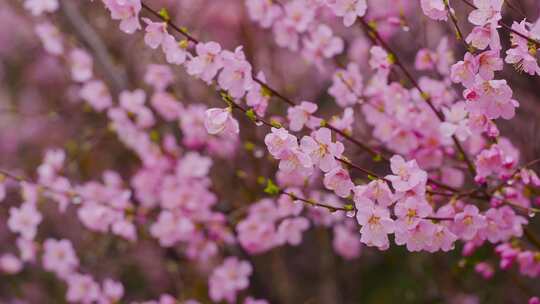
(279, 142)
(38, 7)
(220, 120)
(10, 264)
(171, 228)
(207, 63)
(346, 242)
(59, 257)
(434, 9)
(228, 279)
(24, 220)
(456, 122)
(407, 174)
(81, 65)
(127, 11)
(82, 289)
(50, 37)
(468, 222)
(338, 180)
(347, 86)
(265, 12)
(155, 33)
(376, 224)
(348, 9)
(96, 94)
(236, 75)
(322, 150)
(301, 115)
(290, 230)
(487, 11)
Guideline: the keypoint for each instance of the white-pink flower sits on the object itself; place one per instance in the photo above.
(348, 9)
(376, 224)
(338, 180)
(207, 63)
(220, 120)
(407, 174)
(321, 149)
(301, 115)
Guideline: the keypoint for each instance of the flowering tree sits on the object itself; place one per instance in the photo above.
(269, 151)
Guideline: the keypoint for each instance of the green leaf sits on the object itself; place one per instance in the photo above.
(163, 13)
(271, 188)
(251, 115)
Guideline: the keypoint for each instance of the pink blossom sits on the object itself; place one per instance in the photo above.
(171, 228)
(322, 44)
(127, 11)
(347, 86)
(38, 7)
(299, 15)
(133, 102)
(256, 96)
(112, 290)
(345, 122)
(523, 60)
(265, 12)
(158, 76)
(155, 33)
(256, 235)
(82, 289)
(96, 94)
(346, 242)
(301, 115)
(27, 249)
(228, 279)
(456, 122)
(193, 165)
(488, 11)
(348, 9)
(279, 142)
(174, 52)
(220, 120)
(480, 37)
(377, 191)
(286, 34)
(207, 63)
(338, 180)
(407, 174)
(10, 264)
(296, 161)
(59, 257)
(376, 224)
(529, 263)
(290, 230)
(380, 60)
(166, 105)
(468, 222)
(410, 211)
(425, 60)
(24, 220)
(81, 65)
(434, 9)
(322, 150)
(442, 239)
(464, 71)
(236, 75)
(416, 238)
(50, 37)
(492, 98)
(489, 62)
